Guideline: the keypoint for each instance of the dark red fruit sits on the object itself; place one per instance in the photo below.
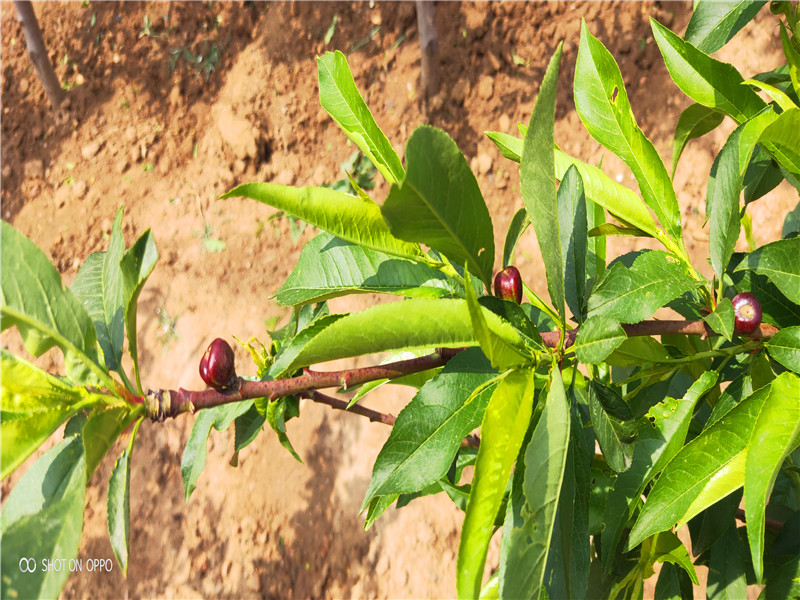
(217, 365)
(508, 284)
(747, 313)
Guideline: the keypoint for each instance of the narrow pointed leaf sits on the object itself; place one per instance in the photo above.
(519, 223)
(545, 461)
(780, 262)
(705, 80)
(137, 264)
(500, 353)
(775, 435)
(33, 404)
(714, 22)
(101, 430)
(714, 459)
(725, 185)
(784, 347)
(99, 286)
(613, 424)
(597, 338)
(42, 518)
(427, 433)
(502, 431)
(602, 104)
(118, 511)
(695, 121)
(574, 239)
(339, 96)
(661, 434)
(538, 182)
(722, 319)
(408, 325)
(194, 453)
(633, 294)
(439, 203)
(33, 298)
(330, 267)
(620, 201)
(348, 217)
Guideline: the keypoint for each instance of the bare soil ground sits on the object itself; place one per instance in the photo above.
(151, 126)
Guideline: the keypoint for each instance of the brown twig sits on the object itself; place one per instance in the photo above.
(372, 415)
(170, 403)
(770, 524)
(471, 441)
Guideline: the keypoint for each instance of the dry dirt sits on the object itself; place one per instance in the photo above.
(147, 129)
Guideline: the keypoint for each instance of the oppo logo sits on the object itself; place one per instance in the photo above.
(27, 565)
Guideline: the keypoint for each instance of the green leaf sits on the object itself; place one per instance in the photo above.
(630, 295)
(636, 351)
(602, 104)
(722, 319)
(784, 347)
(349, 217)
(785, 583)
(439, 203)
(574, 240)
(661, 434)
(781, 138)
(613, 425)
(42, 518)
(695, 121)
(780, 262)
(247, 427)
(339, 96)
(792, 58)
(568, 561)
(285, 358)
(714, 22)
(33, 404)
(791, 223)
(716, 461)
(597, 338)
(665, 547)
(775, 435)
(778, 96)
(705, 80)
(519, 223)
(119, 504)
(376, 509)
(725, 185)
(545, 462)
(102, 429)
(427, 433)
(611, 230)
(762, 176)
(415, 380)
(194, 453)
(726, 576)
(137, 264)
(99, 286)
(776, 308)
(504, 424)
(276, 413)
(407, 325)
(538, 183)
(500, 353)
(329, 267)
(33, 298)
(601, 189)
